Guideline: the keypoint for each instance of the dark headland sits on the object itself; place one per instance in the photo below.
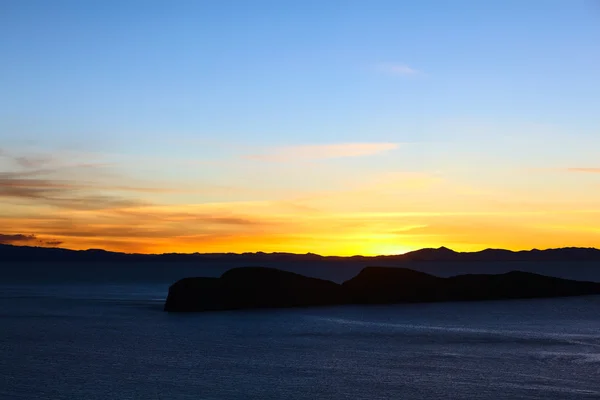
(257, 287)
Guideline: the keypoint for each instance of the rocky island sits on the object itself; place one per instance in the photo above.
(258, 287)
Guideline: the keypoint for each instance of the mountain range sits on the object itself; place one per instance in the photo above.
(46, 254)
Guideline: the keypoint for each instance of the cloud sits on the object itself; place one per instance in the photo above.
(325, 151)
(588, 170)
(16, 238)
(58, 193)
(29, 161)
(65, 203)
(397, 69)
(20, 238)
(152, 222)
(41, 180)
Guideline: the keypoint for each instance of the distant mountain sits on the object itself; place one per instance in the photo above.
(44, 254)
(560, 254)
(26, 253)
(29, 264)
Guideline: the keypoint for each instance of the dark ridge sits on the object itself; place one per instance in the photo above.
(54, 254)
(257, 287)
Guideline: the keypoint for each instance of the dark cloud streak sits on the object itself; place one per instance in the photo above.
(63, 194)
(20, 238)
(16, 238)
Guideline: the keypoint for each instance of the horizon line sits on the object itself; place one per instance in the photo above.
(301, 254)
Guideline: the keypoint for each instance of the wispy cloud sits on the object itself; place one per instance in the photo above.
(62, 194)
(48, 162)
(20, 238)
(49, 180)
(588, 170)
(139, 228)
(397, 69)
(325, 151)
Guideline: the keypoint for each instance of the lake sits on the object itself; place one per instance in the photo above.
(111, 340)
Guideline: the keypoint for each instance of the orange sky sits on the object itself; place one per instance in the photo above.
(333, 127)
(304, 204)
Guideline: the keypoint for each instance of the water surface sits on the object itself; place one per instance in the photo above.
(112, 341)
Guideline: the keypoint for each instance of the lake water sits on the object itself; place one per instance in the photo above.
(107, 341)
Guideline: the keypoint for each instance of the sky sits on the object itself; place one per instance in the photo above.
(338, 128)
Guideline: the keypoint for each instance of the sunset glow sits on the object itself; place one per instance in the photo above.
(268, 137)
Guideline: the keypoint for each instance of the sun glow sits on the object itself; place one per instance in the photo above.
(389, 249)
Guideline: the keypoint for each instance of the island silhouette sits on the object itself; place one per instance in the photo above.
(258, 287)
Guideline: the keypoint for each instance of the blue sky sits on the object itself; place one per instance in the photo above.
(280, 72)
(212, 92)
